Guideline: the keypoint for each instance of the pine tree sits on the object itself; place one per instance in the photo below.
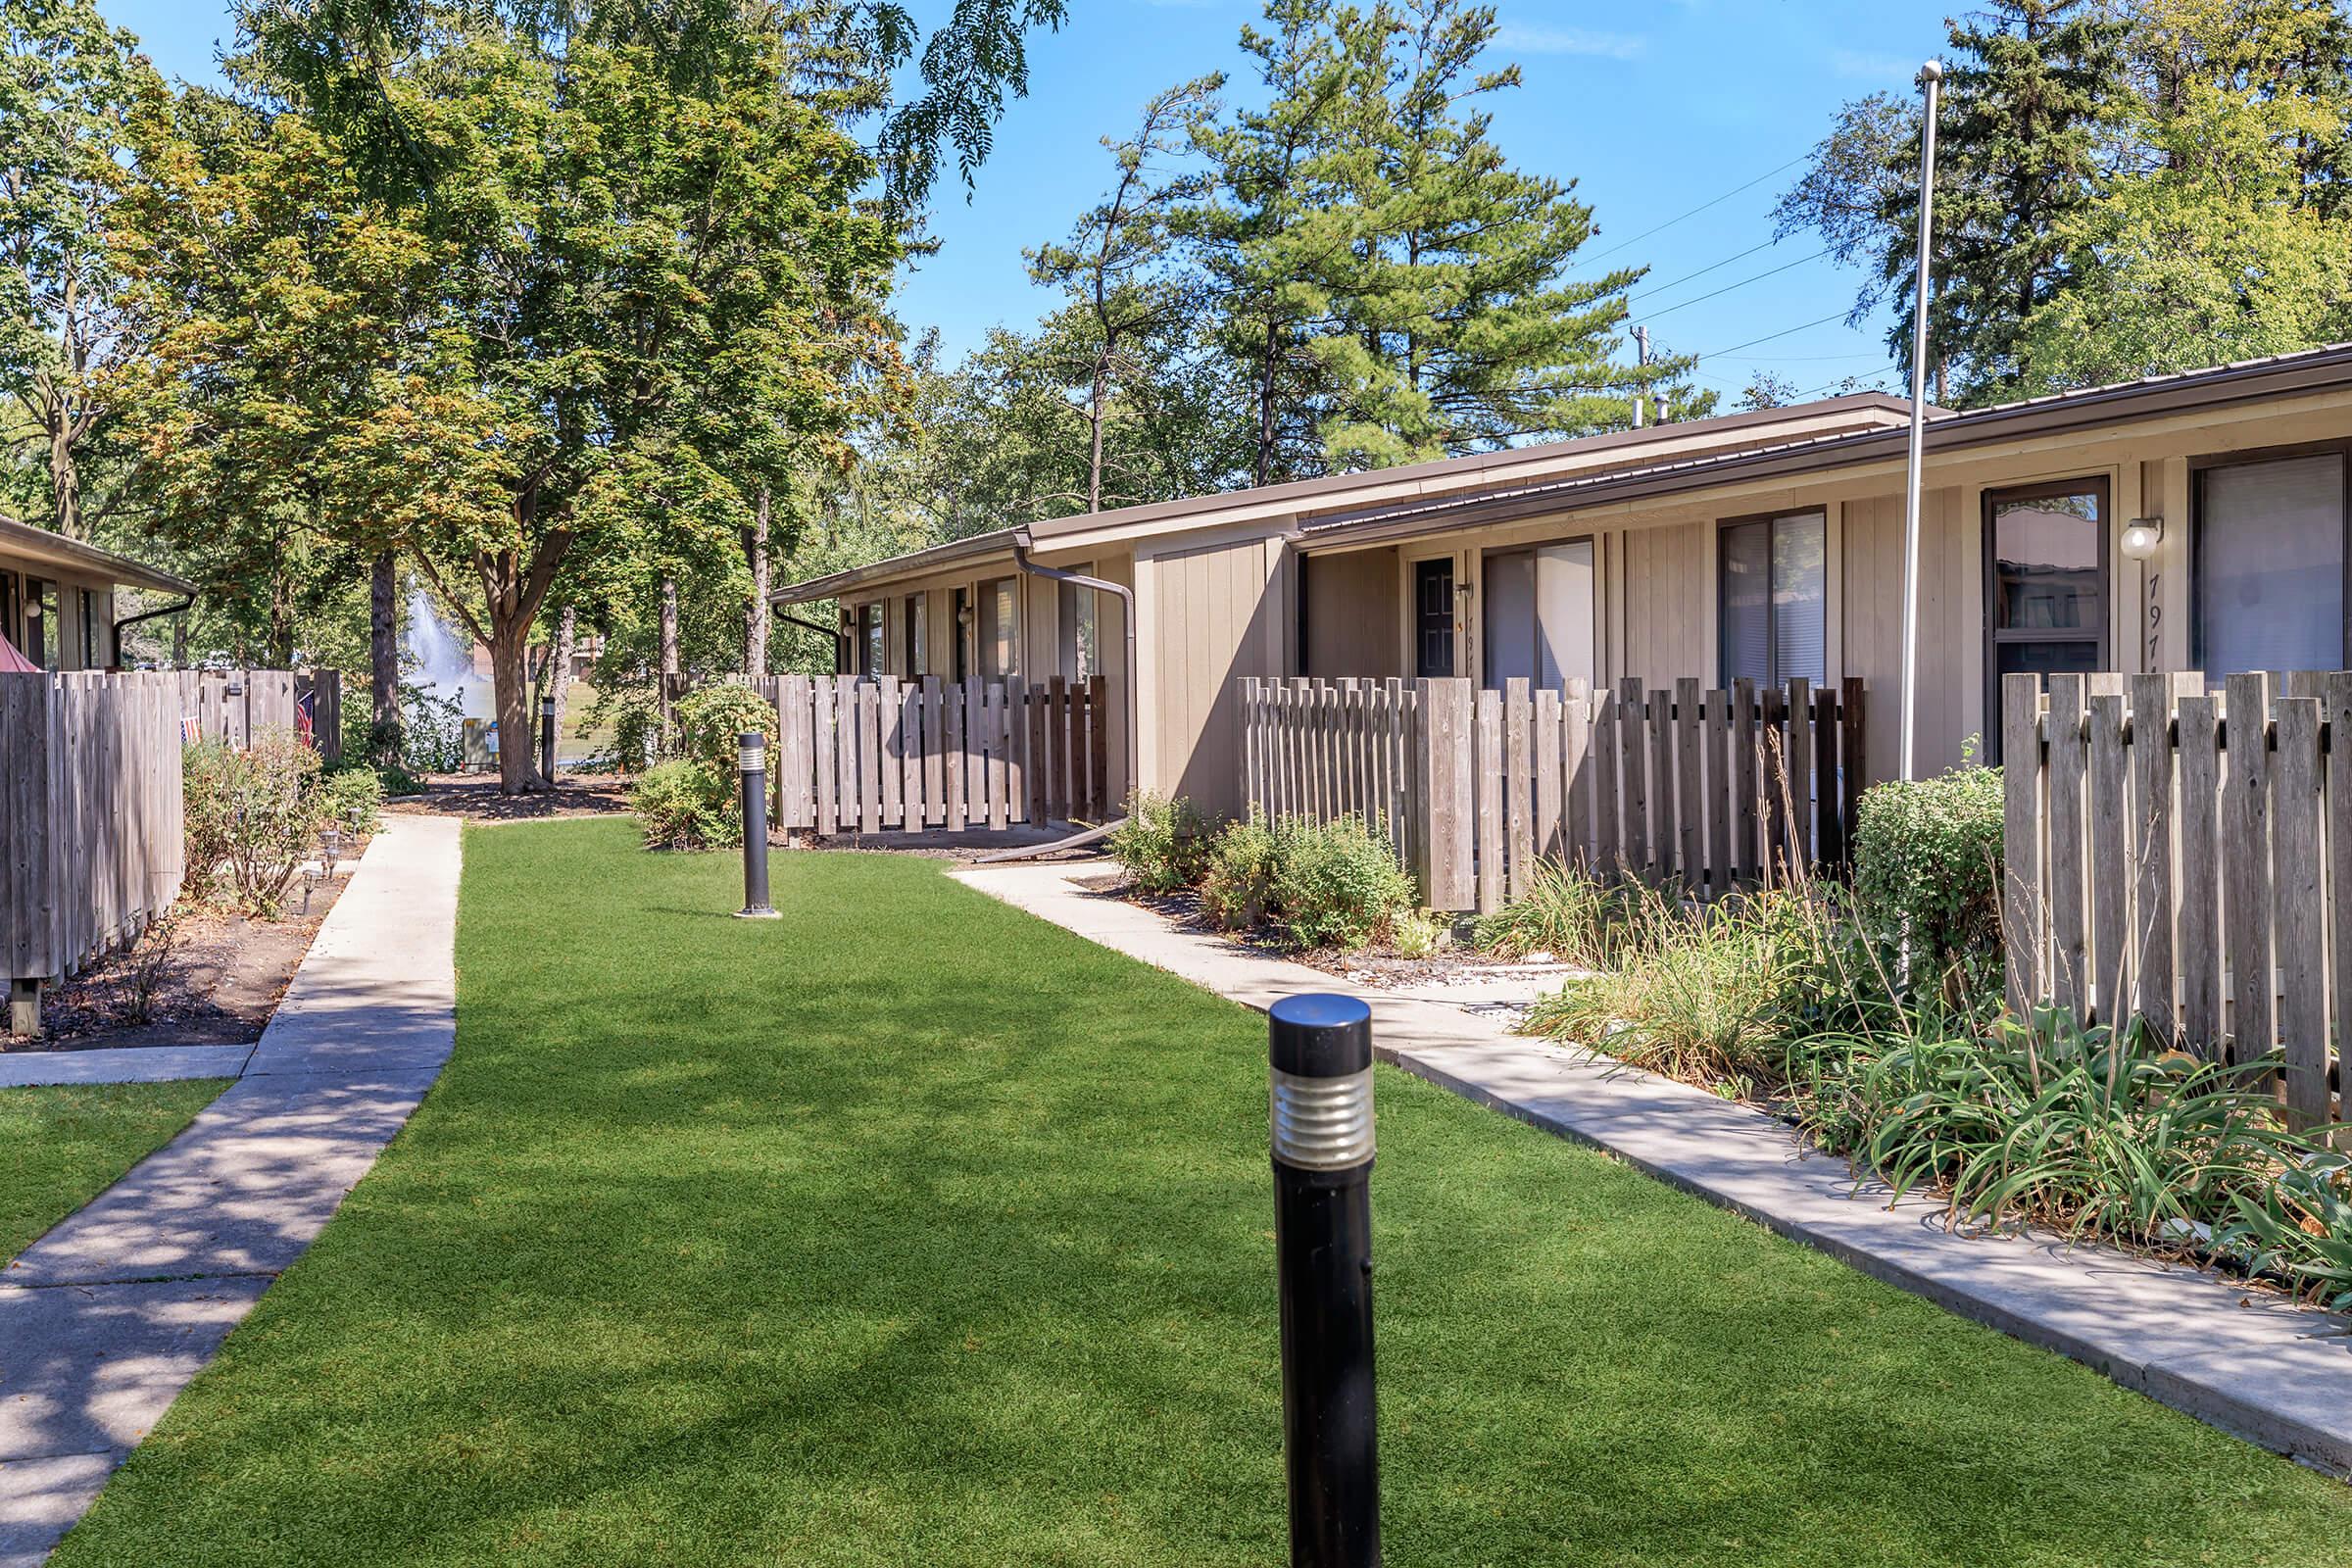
(1453, 329)
(1278, 223)
(2027, 87)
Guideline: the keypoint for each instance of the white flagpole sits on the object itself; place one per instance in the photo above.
(1930, 75)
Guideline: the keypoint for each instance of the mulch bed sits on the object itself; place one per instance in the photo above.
(1453, 964)
(475, 797)
(222, 982)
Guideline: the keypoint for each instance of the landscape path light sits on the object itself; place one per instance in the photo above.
(1319, 1053)
(752, 747)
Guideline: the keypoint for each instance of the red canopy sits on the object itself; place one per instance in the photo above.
(13, 663)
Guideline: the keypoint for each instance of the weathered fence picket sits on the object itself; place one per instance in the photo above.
(1474, 787)
(885, 754)
(2187, 859)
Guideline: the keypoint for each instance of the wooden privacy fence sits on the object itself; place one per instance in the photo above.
(91, 815)
(90, 819)
(858, 755)
(234, 705)
(2186, 855)
(1710, 789)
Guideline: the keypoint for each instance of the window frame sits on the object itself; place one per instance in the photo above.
(2200, 466)
(2102, 643)
(1533, 550)
(914, 616)
(1771, 626)
(870, 635)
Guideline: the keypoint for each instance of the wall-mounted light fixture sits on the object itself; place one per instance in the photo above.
(2141, 536)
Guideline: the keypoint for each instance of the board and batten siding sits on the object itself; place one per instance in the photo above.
(1354, 603)
(1662, 623)
(1951, 623)
(1207, 616)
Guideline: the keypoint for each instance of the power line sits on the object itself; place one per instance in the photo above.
(1660, 288)
(1786, 332)
(1701, 207)
(1697, 299)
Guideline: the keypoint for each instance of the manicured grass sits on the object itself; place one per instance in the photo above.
(906, 1230)
(60, 1147)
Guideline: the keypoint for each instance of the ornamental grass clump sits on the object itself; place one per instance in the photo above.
(1715, 999)
(1565, 912)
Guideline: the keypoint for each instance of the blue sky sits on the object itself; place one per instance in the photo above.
(1652, 109)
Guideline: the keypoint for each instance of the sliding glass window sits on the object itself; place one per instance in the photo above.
(1773, 598)
(2270, 564)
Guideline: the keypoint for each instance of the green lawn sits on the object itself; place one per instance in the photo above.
(60, 1147)
(908, 1230)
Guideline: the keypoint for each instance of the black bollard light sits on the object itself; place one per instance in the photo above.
(1320, 1052)
(754, 828)
(546, 739)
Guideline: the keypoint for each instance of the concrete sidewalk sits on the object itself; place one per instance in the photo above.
(104, 1320)
(2271, 1372)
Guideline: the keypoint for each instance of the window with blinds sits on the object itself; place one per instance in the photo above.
(1773, 598)
(2270, 554)
(1539, 614)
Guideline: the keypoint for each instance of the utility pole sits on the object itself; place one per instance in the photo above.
(1931, 75)
(1642, 348)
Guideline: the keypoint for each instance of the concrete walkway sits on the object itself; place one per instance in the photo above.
(123, 1064)
(2271, 1372)
(104, 1320)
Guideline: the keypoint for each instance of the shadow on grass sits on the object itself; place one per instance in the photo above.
(909, 1230)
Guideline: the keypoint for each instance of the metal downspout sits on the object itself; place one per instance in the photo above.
(145, 614)
(1093, 835)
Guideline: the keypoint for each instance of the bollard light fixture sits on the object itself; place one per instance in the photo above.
(1319, 1058)
(752, 752)
(2141, 537)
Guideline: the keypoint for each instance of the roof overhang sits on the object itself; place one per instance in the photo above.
(974, 546)
(2314, 370)
(48, 549)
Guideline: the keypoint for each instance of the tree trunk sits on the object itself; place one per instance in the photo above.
(510, 685)
(757, 614)
(384, 660)
(559, 683)
(65, 474)
(670, 651)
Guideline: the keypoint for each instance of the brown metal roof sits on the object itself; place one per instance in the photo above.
(71, 554)
(2278, 374)
(834, 584)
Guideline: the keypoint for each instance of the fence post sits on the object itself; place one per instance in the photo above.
(1319, 1052)
(2023, 908)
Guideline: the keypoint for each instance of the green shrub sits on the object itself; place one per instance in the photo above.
(1163, 842)
(711, 720)
(206, 817)
(681, 807)
(352, 797)
(1337, 884)
(1237, 888)
(1416, 934)
(1928, 872)
(253, 815)
(1565, 912)
(693, 800)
